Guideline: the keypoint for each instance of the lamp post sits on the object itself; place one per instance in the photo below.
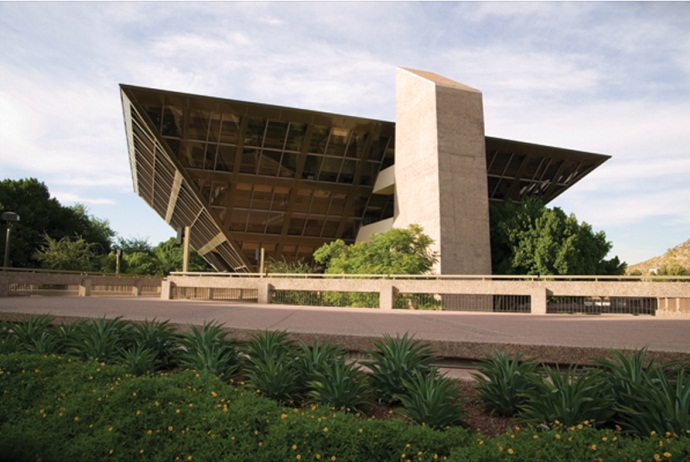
(9, 217)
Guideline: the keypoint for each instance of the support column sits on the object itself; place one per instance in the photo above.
(440, 169)
(387, 295)
(166, 289)
(539, 301)
(85, 288)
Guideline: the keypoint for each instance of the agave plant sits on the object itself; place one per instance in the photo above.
(209, 349)
(268, 344)
(66, 333)
(340, 385)
(35, 335)
(395, 360)
(431, 400)
(140, 360)
(503, 382)
(102, 339)
(159, 337)
(270, 365)
(274, 377)
(315, 359)
(660, 405)
(571, 397)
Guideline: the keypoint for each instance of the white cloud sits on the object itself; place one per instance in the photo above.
(600, 77)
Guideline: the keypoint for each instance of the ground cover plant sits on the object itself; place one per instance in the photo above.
(59, 406)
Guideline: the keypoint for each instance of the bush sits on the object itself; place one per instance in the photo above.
(159, 337)
(339, 385)
(315, 359)
(570, 397)
(101, 339)
(270, 366)
(503, 382)
(209, 349)
(397, 359)
(431, 400)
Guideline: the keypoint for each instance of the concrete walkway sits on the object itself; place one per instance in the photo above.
(460, 336)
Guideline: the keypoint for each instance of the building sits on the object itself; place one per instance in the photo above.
(245, 176)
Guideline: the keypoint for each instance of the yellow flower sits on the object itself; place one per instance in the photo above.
(657, 457)
(325, 429)
(189, 457)
(76, 419)
(510, 451)
(294, 447)
(667, 454)
(170, 428)
(283, 416)
(138, 412)
(653, 433)
(149, 432)
(214, 394)
(536, 437)
(333, 458)
(594, 447)
(298, 457)
(318, 456)
(134, 393)
(360, 430)
(177, 411)
(558, 436)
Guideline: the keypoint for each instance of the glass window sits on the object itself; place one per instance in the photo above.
(275, 135)
(295, 137)
(225, 158)
(255, 132)
(250, 159)
(229, 129)
(347, 174)
(319, 139)
(197, 126)
(269, 163)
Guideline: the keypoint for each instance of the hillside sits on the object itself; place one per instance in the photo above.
(679, 255)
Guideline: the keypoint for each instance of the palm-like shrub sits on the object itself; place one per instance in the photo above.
(270, 365)
(660, 404)
(66, 333)
(395, 360)
(102, 339)
(570, 397)
(339, 385)
(208, 348)
(315, 359)
(503, 382)
(35, 335)
(140, 360)
(431, 400)
(159, 337)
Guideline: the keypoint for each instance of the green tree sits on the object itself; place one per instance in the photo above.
(530, 238)
(169, 255)
(42, 215)
(138, 257)
(73, 254)
(398, 251)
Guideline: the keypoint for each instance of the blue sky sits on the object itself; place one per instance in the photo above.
(611, 78)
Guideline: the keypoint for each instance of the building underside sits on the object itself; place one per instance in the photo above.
(245, 176)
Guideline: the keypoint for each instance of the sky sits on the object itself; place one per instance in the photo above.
(609, 78)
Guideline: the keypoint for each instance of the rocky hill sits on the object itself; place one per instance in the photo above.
(677, 256)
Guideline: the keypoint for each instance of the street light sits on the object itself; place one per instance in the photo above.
(9, 217)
